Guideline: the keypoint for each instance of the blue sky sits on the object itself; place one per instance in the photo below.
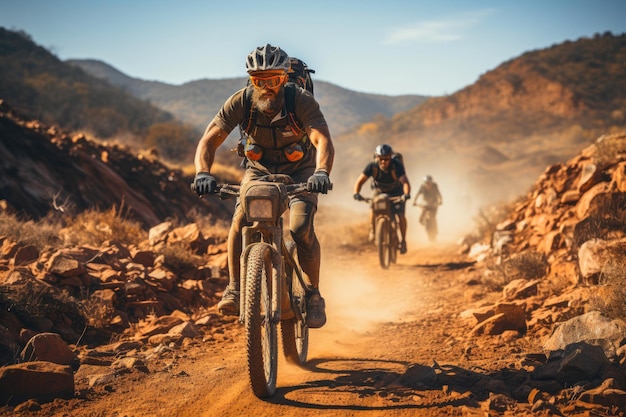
(388, 47)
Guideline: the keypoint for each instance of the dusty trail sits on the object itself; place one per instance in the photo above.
(381, 326)
(380, 323)
(352, 367)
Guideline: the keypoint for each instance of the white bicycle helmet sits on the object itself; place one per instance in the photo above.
(267, 57)
(383, 150)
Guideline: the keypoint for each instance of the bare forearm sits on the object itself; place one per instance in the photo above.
(207, 146)
(359, 183)
(320, 138)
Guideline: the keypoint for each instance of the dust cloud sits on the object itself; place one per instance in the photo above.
(462, 197)
(358, 296)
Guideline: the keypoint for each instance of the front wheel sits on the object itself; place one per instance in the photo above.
(394, 245)
(295, 332)
(431, 228)
(261, 332)
(383, 242)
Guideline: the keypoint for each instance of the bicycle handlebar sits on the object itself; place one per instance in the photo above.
(225, 191)
(396, 199)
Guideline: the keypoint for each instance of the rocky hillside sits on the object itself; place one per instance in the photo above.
(41, 86)
(498, 134)
(44, 169)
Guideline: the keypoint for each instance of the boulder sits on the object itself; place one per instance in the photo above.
(43, 381)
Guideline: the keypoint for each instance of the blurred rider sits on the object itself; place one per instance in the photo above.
(270, 149)
(429, 190)
(388, 176)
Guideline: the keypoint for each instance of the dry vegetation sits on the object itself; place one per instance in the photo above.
(611, 300)
(91, 228)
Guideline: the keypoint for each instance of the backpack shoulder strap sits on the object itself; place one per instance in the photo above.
(290, 106)
(374, 171)
(394, 171)
(248, 111)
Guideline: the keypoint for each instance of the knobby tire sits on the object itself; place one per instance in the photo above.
(261, 333)
(431, 228)
(383, 242)
(394, 244)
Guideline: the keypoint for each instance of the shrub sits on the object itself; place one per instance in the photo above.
(526, 265)
(609, 149)
(40, 235)
(612, 302)
(179, 256)
(95, 227)
(606, 221)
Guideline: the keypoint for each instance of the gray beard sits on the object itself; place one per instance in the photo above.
(268, 105)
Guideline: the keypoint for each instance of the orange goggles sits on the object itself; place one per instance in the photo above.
(267, 82)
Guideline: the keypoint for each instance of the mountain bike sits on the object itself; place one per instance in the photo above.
(429, 220)
(386, 227)
(273, 289)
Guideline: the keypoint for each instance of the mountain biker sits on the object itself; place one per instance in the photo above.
(265, 153)
(429, 190)
(388, 176)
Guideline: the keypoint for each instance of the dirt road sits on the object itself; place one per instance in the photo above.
(394, 345)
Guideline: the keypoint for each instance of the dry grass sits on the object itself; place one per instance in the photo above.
(179, 256)
(33, 301)
(612, 300)
(526, 265)
(487, 220)
(609, 149)
(42, 234)
(606, 221)
(96, 227)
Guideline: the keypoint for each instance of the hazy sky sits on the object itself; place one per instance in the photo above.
(385, 46)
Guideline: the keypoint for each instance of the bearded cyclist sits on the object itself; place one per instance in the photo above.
(389, 177)
(273, 146)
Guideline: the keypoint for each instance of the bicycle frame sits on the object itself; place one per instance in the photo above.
(265, 259)
(385, 221)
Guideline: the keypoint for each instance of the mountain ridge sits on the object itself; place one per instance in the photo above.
(343, 108)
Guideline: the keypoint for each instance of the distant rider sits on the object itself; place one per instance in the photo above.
(388, 176)
(429, 190)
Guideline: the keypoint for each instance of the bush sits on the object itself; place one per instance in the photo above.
(94, 227)
(609, 149)
(612, 301)
(606, 221)
(42, 234)
(526, 265)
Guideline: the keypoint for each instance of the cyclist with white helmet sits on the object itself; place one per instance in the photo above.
(429, 191)
(273, 146)
(388, 176)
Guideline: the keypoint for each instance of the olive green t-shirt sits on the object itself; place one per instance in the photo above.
(273, 135)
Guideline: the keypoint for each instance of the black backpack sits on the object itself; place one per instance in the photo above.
(299, 75)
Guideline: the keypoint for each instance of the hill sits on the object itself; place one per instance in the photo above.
(493, 137)
(196, 102)
(45, 170)
(38, 84)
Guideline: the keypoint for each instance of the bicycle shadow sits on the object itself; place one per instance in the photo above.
(378, 384)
